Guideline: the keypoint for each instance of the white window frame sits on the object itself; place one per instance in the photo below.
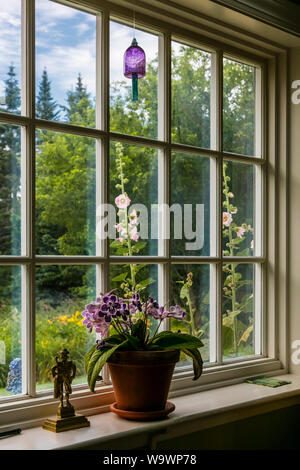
(271, 357)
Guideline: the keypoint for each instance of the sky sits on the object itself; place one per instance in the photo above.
(10, 39)
(65, 45)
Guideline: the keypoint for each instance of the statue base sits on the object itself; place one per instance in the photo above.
(66, 424)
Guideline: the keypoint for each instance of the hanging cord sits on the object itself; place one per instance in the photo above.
(134, 23)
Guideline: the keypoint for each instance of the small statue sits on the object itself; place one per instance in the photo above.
(63, 373)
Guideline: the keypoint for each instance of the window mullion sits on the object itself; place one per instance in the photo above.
(164, 123)
(216, 182)
(103, 146)
(28, 196)
(259, 229)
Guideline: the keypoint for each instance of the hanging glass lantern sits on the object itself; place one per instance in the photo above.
(134, 66)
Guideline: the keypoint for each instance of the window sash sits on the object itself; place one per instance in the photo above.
(165, 147)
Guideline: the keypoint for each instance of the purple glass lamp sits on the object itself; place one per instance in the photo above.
(134, 66)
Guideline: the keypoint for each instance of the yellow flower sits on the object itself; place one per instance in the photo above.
(63, 317)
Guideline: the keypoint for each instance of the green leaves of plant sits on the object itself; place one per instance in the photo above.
(138, 330)
(88, 356)
(197, 361)
(97, 360)
(166, 340)
(170, 340)
(186, 343)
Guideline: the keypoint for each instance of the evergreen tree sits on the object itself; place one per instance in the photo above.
(10, 149)
(12, 92)
(5, 200)
(79, 109)
(46, 107)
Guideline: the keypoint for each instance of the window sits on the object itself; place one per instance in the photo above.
(189, 155)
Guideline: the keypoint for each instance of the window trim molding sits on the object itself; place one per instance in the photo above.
(275, 325)
(276, 13)
(29, 412)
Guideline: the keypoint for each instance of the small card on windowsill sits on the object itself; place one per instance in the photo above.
(268, 381)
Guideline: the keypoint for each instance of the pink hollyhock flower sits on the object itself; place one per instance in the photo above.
(230, 195)
(133, 217)
(240, 232)
(252, 244)
(122, 231)
(234, 210)
(134, 235)
(227, 219)
(122, 201)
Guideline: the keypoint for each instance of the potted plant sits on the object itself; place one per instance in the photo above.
(141, 363)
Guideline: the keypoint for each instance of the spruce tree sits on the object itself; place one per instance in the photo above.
(79, 105)
(10, 149)
(12, 92)
(46, 107)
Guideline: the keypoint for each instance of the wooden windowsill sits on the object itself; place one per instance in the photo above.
(193, 413)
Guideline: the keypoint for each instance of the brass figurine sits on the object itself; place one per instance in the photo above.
(63, 373)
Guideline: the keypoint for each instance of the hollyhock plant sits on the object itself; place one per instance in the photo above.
(128, 243)
(134, 234)
(133, 217)
(227, 219)
(123, 324)
(235, 235)
(240, 232)
(122, 201)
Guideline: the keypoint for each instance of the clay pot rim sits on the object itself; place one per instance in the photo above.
(145, 357)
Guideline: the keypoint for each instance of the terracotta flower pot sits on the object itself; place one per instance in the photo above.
(141, 379)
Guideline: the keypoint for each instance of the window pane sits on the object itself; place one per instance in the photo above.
(238, 107)
(10, 56)
(191, 75)
(238, 310)
(238, 209)
(65, 194)
(128, 116)
(61, 295)
(10, 331)
(141, 278)
(10, 190)
(190, 191)
(65, 64)
(190, 288)
(134, 174)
